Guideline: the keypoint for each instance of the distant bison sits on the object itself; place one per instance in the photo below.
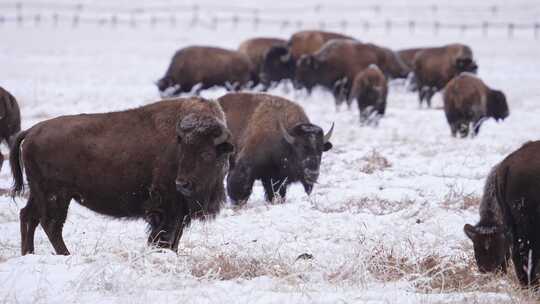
(280, 61)
(435, 67)
(276, 143)
(196, 68)
(510, 217)
(256, 49)
(370, 90)
(336, 64)
(10, 119)
(164, 162)
(468, 102)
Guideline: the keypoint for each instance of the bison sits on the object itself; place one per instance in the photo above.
(407, 57)
(196, 68)
(280, 61)
(370, 90)
(10, 119)
(468, 101)
(164, 162)
(276, 143)
(509, 223)
(255, 49)
(435, 67)
(336, 64)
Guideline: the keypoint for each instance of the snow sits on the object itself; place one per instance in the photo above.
(355, 223)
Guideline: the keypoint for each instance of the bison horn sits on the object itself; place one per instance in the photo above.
(222, 137)
(328, 135)
(288, 137)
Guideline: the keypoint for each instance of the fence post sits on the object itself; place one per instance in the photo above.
(436, 27)
(388, 26)
(343, 24)
(195, 17)
(37, 19)
(172, 21)
(511, 30)
(412, 26)
(56, 19)
(114, 20)
(299, 24)
(322, 25)
(19, 7)
(235, 21)
(536, 30)
(366, 26)
(485, 27)
(463, 28)
(494, 10)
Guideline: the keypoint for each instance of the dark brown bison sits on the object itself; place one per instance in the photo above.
(276, 143)
(370, 90)
(510, 216)
(468, 102)
(255, 49)
(164, 162)
(196, 68)
(280, 61)
(435, 67)
(337, 63)
(10, 119)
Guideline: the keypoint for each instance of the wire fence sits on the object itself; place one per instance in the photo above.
(217, 16)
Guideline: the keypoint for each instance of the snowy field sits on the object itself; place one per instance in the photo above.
(384, 224)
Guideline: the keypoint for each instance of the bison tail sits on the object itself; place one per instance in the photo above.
(16, 164)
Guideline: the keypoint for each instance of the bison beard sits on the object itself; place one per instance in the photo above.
(125, 165)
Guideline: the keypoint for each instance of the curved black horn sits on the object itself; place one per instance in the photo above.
(222, 137)
(288, 137)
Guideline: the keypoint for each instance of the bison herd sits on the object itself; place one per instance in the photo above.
(166, 162)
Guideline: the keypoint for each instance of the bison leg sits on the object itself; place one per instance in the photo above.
(239, 183)
(29, 218)
(429, 95)
(53, 222)
(272, 186)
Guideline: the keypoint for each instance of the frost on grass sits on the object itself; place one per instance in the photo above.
(373, 205)
(457, 198)
(374, 161)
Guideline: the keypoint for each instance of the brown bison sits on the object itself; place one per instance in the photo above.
(407, 57)
(164, 162)
(196, 68)
(276, 143)
(337, 63)
(280, 61)
(510, 216)
(255, 49)
(468, 102)
(10, 119)
(435, 67)
(370, 90)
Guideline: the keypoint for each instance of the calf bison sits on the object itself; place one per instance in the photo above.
(10, 119)
(280, 61)
(276, 143)
(255, 49)
(510, 217)
(370, 90)
(164, 162)
(435, 67)
(196, 68)
(468, 102)
(336, 64)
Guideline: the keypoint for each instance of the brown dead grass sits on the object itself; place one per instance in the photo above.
(373, 205)
(457, 198)
(374, 162)
(226, 266)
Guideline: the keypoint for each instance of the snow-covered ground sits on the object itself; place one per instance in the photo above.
(384, 224)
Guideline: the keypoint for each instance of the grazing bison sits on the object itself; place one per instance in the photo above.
(276, 143)
(10, 119)
(280, 61)
(370, 90)
(435, 67)
(468, 102)
(164, 162)
(337, 63)
(510, 216)
(255, 49)
(196, 68)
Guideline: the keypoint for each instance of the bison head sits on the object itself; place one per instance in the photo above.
(497, 106)
(167, 87)
(466, 65)
(307, 72)
(278, 65)
(306, 144)
(491, 247)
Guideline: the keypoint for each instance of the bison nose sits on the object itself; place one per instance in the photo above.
(311, 176)
(184, 187)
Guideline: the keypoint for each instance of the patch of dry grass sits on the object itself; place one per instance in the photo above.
(373, 205)
(228, 266)
(457, 198)
(374, 162)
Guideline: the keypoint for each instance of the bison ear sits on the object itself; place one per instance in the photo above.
(470, 232)
(224, 148)
(327, 146)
